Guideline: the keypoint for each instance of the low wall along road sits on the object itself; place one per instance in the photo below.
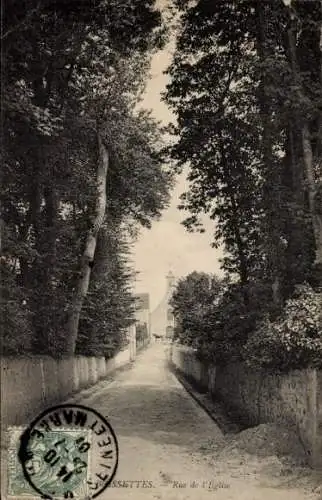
(292, 399)
(30, 385)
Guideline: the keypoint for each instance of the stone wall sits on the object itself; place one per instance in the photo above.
(291, 399)
(184, 359)
(29, 385)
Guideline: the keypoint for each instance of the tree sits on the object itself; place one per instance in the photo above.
(193, 299)
(232, 89)
(246, 90)
(90, 246)
(212, 317)
(217, 127)
(307, 110)
(128, 152)
(109, 305)
(71, 86)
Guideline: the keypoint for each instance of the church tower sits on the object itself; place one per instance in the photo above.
(162, 319)
(170, 280)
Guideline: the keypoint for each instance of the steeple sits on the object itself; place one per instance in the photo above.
(170, 280)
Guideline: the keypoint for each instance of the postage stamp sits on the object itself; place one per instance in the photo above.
(69, 451)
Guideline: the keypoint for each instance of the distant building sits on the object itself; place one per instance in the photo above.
(162, 319)
(142, 314)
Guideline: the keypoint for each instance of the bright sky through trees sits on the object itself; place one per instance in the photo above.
(168, 245)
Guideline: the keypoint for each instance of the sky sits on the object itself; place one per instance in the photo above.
(167, 245)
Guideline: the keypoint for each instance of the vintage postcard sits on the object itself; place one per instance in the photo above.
(161, 249)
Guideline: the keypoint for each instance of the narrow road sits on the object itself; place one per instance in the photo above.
(170, 443)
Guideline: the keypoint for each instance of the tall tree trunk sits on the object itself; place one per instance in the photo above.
(89, 251)
(272, 175)
(318, 198)
(308, 161)
(316, 211)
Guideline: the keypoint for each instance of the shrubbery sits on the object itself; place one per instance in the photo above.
(241, 324)
(294, 340)
(193, 304)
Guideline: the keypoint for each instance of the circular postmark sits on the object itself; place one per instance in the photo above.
(69, 451)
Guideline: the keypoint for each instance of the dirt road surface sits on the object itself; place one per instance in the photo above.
(171, 449)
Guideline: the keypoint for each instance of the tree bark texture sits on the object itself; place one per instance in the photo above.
(89, 250)
(307, 150)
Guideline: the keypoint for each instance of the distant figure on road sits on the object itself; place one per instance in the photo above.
(157, 338)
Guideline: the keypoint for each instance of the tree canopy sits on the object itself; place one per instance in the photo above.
(244, 98)
(74, 73)
(245, 88)
(193, 300)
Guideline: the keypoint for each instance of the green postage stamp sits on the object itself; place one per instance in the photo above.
(69, 451)
(58, 447)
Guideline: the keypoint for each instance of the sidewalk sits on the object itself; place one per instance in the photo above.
(169, 444)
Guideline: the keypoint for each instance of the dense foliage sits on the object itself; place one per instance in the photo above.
(211, 317)
(291, 341)
(109, 306)
(240, 116)
(74, 72)
(245, 87)
(192, 302)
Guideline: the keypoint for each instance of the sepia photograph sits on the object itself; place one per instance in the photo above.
(161, 249)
